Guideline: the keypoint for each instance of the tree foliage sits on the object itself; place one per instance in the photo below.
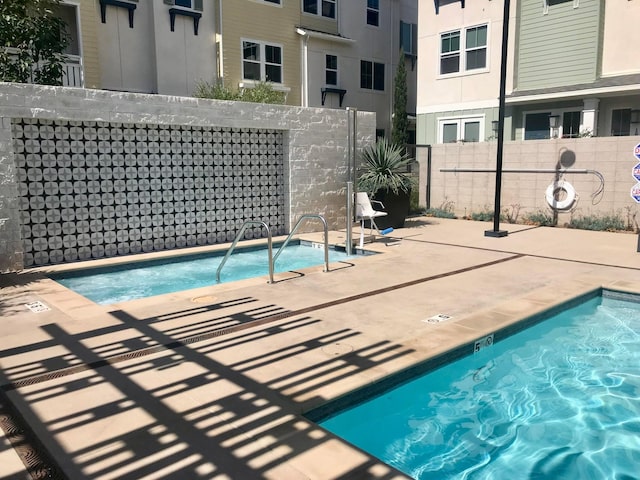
(262, 92)
(400, 124)
(32, 42)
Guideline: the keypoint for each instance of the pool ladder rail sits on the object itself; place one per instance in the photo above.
(272, 257)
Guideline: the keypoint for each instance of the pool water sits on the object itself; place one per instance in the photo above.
(144, 279)
(559, 400)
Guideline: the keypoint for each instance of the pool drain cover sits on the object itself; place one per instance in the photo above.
(336, 349)
(37, 307)
(441, 317)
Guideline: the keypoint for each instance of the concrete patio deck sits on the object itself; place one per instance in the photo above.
(212, 382)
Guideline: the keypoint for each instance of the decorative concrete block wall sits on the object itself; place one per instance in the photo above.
(91, 174)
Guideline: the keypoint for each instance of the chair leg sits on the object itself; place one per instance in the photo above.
(373, 225)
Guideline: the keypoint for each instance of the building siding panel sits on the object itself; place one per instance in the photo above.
(560, 47)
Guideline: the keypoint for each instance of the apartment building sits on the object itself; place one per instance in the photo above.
(324, 53)
(570, 72)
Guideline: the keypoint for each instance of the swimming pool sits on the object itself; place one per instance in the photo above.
(106, 285)
(559, 400)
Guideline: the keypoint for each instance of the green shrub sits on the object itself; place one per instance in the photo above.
(215, 91)
(606, 223)
(540, 217)
(445, 210)
(440, 213)
(511, 213)
(484, 216)
(262, 92)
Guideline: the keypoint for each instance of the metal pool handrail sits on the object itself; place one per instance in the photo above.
(326, 238)
(238, 237)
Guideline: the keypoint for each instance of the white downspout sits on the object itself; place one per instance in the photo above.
(305, 72)
(220, 51)
(393, 70)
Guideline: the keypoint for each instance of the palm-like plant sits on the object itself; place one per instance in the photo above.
(385, 169)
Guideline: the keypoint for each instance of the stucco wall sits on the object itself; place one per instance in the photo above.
(474, 192)
(314, 144)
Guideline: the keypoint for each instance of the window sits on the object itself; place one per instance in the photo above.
(449, 53)
(261, 62)
(461, 129)
(378, 76)
(471, 131)
(195, 4)
(621, 122)
(331, 70)
(570, 124)
(536, 126)
(373, 12)
(326, 8)
(372, 75)
(475, 50)
(550, 3)
(409, 38)
(476, 47)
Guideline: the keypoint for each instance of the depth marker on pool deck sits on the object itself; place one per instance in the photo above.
(439, 318)
(37, 307)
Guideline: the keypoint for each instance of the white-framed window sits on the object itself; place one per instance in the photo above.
(547, 3)
(331, 70)
(463, 50)
(194, 4)
(475, 47)
(450, 52)
(324, 8)
(460, 129)
(373, 12)
(261, 61)
(372, 75)
(409, 38)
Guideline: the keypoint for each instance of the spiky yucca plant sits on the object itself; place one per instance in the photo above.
(385, 168)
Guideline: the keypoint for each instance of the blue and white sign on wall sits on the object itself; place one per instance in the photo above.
(636, 151)
(636, 172)
(635, 192)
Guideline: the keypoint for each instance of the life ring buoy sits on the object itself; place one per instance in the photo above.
(570, 195)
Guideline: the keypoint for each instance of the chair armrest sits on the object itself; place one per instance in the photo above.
(378, 201)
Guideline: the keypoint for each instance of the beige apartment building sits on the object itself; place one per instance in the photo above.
(324, 53)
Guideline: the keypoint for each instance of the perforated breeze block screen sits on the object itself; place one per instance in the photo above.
(95, 189)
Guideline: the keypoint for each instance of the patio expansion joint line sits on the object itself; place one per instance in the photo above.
(508, 252)
(63, 372)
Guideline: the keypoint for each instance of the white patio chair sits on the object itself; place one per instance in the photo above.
(364, 212)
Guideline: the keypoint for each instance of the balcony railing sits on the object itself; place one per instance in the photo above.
(72, 70)
(73, 74)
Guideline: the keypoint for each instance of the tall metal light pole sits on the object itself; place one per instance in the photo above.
(496, 232)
